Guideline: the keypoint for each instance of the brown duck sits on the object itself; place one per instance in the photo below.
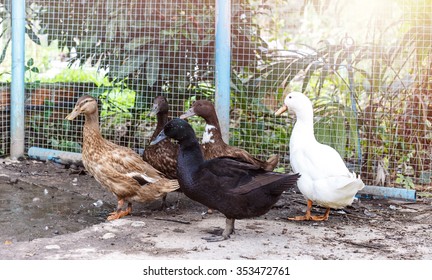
(117, 168)
(212, 143)
(163, 155)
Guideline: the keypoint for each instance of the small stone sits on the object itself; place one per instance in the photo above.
(369, 214)
(45, 191)
(98, 203)
(13, 180)
(36, 199)
(4, 178)
(138, 224)
(108, 235)
(392, 207)
(52, 247)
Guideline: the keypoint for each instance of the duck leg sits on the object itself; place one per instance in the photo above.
(164, 204)
(322, 218)
(119, 213)
(309, 217)
(229, 229)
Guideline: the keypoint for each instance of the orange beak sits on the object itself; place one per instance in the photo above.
(281, 110)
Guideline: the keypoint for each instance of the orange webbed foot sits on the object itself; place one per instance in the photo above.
(309, 217)
(118, 215)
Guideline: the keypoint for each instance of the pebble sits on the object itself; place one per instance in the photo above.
(138, 224)
(4, 178)
(45, 191)
(392, 207)
(369, 214)
(98, 203)
(36, 199)
(13, 180)
(52, 247)
(108, 235)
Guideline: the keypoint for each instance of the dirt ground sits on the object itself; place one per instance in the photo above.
(370, 229)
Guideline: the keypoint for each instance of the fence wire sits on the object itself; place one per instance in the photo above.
(366, 65)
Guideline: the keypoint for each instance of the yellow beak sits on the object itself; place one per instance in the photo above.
(281, 110)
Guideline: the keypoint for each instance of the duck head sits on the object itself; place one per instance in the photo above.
(202, 108)
(296, 102)
(176, 129)
(86, 105)
(160, 105)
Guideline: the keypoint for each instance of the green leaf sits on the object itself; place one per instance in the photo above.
(33, 36)
(3, 53)
(30, 62)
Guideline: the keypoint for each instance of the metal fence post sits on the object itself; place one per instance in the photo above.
(17, 86)
(223, 65)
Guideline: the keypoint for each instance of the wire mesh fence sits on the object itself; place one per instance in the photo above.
(365, 65)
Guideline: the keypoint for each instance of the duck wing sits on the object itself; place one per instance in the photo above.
(239, 177)
(128, 163)
(318, 161)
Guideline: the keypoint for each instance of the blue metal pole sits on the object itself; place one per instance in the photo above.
(223, 65)
(17, 86)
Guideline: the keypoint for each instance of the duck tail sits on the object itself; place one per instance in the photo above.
(271, 163)
(171, 185)
(152, 191)
(288, 181)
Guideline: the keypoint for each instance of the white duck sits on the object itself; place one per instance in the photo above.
(325, 180)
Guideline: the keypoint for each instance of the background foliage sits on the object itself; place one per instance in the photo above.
(365, 64)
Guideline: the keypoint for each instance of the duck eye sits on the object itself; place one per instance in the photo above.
(289, 97)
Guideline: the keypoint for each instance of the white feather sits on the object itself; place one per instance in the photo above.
(208, 135)
(325, 179)
(144, 176)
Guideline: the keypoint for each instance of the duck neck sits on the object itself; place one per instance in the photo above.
(162, 119)
(303, 130)
(212, 133)
(91, 128)
(189, 159)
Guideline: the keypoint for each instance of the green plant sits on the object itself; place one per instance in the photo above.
(405, 181)
(31, 70)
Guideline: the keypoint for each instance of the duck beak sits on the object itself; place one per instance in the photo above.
(154, 110)
(161, 136)
(281, 110)
(189, 113)
(72, 115)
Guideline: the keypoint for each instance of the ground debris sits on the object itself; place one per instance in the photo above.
(173, 220)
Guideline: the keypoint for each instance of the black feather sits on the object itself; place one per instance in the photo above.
(140, 180)
(235, 188)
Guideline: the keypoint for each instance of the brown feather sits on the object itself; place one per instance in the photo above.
(163, 155)
(218, 148)
(115, 167)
